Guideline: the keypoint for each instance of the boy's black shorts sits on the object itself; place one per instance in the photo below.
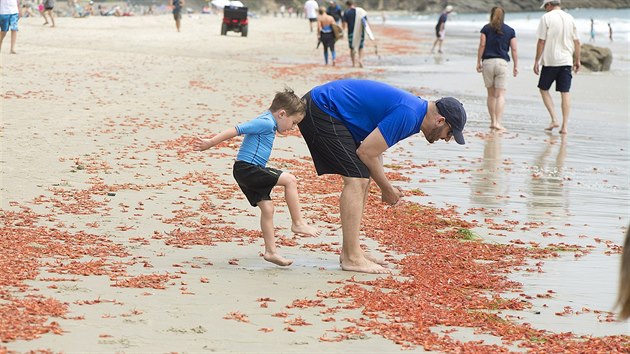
(256, 182)
(332, 147)
(560, 74)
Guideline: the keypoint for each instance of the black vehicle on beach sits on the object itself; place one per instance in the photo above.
(234, 19)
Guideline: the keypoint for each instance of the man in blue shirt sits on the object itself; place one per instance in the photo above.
(347, 127)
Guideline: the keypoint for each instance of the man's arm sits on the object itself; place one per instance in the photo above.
(576, 56)
(539, 49)
(370, 152)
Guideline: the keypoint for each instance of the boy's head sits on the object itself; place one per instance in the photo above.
(288, 109)
(288, 101)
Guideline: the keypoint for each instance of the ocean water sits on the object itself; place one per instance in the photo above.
(527, 22)
(574, 188)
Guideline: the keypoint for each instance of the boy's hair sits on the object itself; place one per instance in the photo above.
(288, 101)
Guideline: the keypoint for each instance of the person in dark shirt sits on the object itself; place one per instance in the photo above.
(440, 28)
(334, 10)
(495, 42)
(177, 12)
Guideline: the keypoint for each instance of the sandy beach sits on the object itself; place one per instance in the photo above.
(117, 237)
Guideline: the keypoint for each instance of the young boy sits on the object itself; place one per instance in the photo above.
(255, 179)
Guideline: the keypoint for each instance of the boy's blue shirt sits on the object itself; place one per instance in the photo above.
(260, 133)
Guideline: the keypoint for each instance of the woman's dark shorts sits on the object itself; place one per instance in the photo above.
(560, 74)
(256, 182)
(332, 147)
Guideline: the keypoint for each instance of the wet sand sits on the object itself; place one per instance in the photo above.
(96, 118)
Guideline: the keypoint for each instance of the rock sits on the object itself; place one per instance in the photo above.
(595, 58)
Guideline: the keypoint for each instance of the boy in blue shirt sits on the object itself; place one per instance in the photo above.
(255, 179)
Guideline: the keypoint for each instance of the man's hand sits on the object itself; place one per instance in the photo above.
(392, 196)
(201, 144)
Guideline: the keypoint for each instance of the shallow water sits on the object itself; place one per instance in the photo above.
(573, 189)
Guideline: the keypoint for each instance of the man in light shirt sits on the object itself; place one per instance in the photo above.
(9, 16)
(558, 51)
(310, 10)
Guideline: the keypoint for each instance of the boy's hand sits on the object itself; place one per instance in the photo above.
(201, 144)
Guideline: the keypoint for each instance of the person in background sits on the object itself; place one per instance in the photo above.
(495, 42)
(623, 298)
(49, 6)
(335, 11)
(610, 32)
(177, 11)
(592, 39)
(310, 10)
(9, 17)
(557, 50)
(325, 34)
(440, 28)
(349, 17)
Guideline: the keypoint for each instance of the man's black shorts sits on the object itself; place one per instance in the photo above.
(560, 74)
(256, 182)
(332, 147)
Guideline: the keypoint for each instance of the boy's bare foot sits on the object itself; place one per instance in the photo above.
(277, 259)
(552, 125)
(500, 128)
(367, 256)
(364, 266)
(563, 131)
(13, 52)
(305, 230)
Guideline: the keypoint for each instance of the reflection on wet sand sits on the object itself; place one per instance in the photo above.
(548, 196)
(489, 180)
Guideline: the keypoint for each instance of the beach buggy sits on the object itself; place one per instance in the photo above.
(234, 19)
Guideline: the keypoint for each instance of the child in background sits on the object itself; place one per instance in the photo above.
(255, 179)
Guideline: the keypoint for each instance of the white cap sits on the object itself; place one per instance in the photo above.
(448, 8)
(545, 2)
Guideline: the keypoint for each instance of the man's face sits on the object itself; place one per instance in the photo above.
(441, 131)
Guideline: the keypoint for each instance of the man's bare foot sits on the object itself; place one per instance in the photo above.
(493, 127)
(563, 131)
(552, 125)
(277, 259)
(369, 257)
(305, 230)
(500, 128)
(364, 266)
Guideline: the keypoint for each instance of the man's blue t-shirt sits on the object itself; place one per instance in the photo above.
(259, 135)
(497, 45)
(364, 105)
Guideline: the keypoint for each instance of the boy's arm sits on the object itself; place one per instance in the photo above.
(205, 144)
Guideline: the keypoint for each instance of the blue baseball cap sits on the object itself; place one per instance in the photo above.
(453, 111)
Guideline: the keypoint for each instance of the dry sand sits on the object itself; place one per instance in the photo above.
(117, 99)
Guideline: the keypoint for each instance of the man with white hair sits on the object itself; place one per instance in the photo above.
(557, 50)
(440, 28)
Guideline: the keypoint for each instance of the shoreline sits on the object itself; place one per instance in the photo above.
(108, 108)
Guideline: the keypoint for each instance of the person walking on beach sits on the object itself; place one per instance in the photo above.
(177, 12)
(349, 18)
(335, 11)
(347, 131)
(592, 39)
(49, 6)
(310, 10)
(557, 50)
(9, 16)
(495, 42)
(250, 170)
(440, 28)
(326, 35)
